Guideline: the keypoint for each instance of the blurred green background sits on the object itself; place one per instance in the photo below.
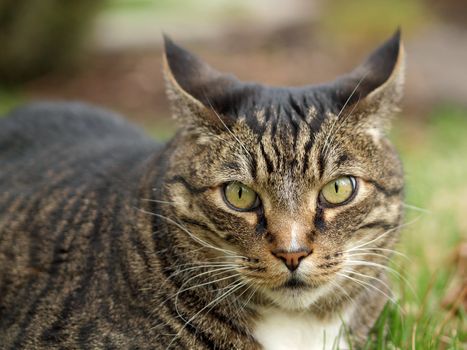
(108, 52)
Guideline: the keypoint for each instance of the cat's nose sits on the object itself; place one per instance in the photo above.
(291, 259)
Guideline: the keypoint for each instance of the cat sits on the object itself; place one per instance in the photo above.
(266, 222)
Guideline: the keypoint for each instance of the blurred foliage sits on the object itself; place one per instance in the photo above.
(38, 35)
(177, 8)
(433, 154)
(350, 21)
(8, 100)
(187, 11)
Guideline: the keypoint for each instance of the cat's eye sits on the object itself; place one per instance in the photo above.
(240, 197)
(338, 191)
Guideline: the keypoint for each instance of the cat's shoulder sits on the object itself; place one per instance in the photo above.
(49, 121)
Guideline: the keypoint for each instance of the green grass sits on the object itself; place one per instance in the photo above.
(434, 157)
(8, 100)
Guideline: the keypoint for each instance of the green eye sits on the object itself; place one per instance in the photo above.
(240, 197)
(339, 190)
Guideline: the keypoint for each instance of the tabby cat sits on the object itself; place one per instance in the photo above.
(265, 223)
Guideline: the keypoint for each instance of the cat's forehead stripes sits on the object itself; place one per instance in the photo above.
(284, 143)
(287, 134)
(280, 156)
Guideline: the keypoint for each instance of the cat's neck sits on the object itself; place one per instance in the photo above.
(279, 329)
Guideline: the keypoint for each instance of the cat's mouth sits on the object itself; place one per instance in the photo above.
(293, 282)
(295, 293)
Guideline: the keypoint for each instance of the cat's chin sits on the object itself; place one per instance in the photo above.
(296, 299)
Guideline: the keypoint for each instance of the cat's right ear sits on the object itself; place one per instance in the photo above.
(374, 89)
(194, 88)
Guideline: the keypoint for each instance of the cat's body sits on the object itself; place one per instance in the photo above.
(109, 240)
(77, 255)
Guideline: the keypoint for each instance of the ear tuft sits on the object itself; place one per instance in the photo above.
(195, 77)
(193, 87)
(188, 71)
(379, 80)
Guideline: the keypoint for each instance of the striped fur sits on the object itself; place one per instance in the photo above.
(110, 240)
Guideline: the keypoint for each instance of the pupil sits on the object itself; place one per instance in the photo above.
(240, 191)
(336, 187)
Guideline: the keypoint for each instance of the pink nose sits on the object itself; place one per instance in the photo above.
(291, 259)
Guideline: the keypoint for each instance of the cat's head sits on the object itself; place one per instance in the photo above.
(294, 185)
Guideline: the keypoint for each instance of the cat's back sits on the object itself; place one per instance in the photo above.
(41, 140)
(51, 152)
(69, 176)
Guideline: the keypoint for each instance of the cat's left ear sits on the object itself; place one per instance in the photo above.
(194, 89)
(375, 88)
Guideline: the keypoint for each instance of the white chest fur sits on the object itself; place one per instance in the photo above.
(287, 330)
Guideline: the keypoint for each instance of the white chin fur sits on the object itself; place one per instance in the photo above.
(296, 299)
(278, 329)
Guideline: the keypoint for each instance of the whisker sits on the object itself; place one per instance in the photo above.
(191, 254)
(239, 310)
(326, 145)
(250, 296)
(209, 282)
(203, 267)
(392, 251)
(369, 254)
(228, 129)
(422, 210)
(236, 310)
(197, 286)
(214, 272)
(158, 201)
(234, 288)
(207, 262)
(385, 233)
(373, 264)
(386, 268)
(369, 285)
(352, 271)
(180, 226)
(328, 149)
(340, 289)
(238, 259)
